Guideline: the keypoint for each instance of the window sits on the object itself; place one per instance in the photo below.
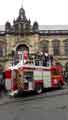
(66, 47)
(44, 46)
(1, 51)
(56, 47)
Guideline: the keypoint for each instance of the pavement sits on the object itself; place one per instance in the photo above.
(5, 99)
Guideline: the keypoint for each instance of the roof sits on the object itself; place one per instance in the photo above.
(45, 27)
(2, 27)
(53, 27)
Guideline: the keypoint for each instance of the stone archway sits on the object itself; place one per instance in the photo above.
(22, 47)
(66, 66)
(20, 50)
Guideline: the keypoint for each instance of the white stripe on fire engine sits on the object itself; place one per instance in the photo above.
(41, 76)
(8, 84)
(30, 85)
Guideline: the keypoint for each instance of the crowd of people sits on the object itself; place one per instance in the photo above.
(43, 59)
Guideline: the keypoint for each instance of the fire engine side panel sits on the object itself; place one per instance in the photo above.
(8, 84)
(8, 79)
(46, 79)
(38, 75)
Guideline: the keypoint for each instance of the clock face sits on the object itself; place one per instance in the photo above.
(21, 11)
(21, 16)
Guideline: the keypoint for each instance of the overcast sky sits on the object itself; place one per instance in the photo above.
(44, 11)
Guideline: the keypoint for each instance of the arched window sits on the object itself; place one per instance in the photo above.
(66, 47)
(56, 47)
(43, 46)
(22, 48)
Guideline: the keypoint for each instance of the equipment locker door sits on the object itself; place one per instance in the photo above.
(46, 79)
(28, 80)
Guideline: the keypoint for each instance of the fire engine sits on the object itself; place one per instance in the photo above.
(31, 77)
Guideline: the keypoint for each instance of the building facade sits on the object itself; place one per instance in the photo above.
(22, 35)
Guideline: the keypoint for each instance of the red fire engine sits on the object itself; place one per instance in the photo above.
(29, 77)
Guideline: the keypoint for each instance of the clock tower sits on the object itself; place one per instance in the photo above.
(22, 24)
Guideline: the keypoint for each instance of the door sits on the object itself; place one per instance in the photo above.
(46, 79)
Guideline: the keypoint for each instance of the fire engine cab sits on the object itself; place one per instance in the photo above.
(31, 77)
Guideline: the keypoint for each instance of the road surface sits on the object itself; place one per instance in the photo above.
(45, 108)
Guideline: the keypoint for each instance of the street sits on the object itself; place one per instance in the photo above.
(51, 107)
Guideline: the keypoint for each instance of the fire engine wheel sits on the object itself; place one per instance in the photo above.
(39, 89)
(59, 85)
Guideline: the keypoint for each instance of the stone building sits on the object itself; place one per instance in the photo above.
(34, 38)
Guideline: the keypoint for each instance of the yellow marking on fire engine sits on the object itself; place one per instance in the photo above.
(19, 79)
